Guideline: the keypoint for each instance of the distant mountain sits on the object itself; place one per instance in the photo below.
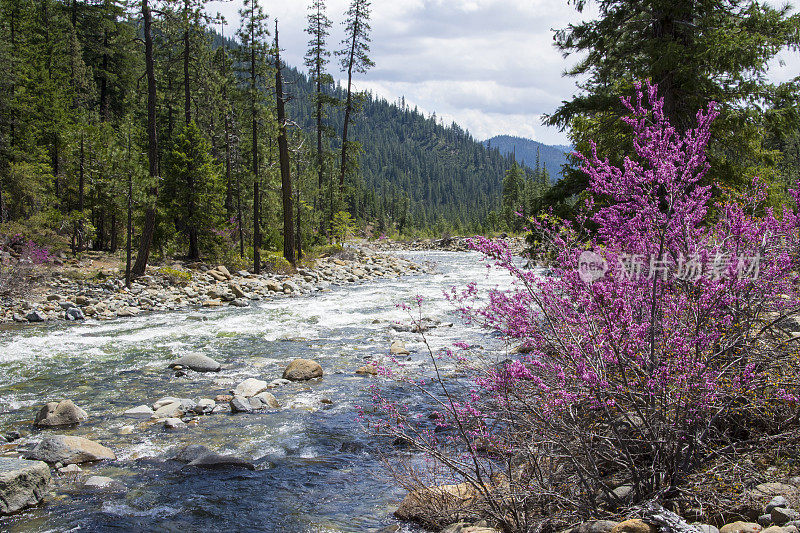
(527, 151)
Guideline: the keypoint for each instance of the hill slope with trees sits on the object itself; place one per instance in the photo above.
(532, 153)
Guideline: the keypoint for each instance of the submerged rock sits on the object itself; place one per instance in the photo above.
(69, 450)
(199, 456)
(22, 483)
(197, 362)
(103, 483)
(302, 370)
(63, 413)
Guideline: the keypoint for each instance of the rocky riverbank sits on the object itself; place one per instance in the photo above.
(766, 508)
(446, 244)
(182, 286)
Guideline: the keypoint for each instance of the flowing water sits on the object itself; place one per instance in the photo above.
(317, 469)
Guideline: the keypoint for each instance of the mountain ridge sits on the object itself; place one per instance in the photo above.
(527, 152)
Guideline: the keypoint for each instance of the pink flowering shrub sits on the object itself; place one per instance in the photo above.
(644, 366)
(18, 257)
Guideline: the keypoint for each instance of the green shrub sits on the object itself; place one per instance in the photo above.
(175, 275)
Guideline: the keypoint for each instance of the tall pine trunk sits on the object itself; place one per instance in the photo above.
(283, 156)
(152, 146)
(348, 107)
(256, 180)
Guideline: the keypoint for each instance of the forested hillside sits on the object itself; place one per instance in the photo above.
(440, 173)
(532, 153)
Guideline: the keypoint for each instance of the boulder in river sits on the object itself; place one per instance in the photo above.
(63, 413)
(370, 370)
(302, 370)
(240, 404)
(266, 399)
(249, 387)
(197, 362)
(398, 348)
(69, 450)
(22, 483)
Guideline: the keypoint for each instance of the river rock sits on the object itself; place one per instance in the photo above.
(170, 410)
(200, 456)
(595, 526)
(249, 387)
(635, 525)
(781, 515)
(70, 469)
(240, 404)
(302, 370)
(103, 483)
(141, 411)
(367, 370)
(399, 348)
(777, 501)
(36, 316)
(174, 424)
(740, 527)
(236, 290)
(266, 399)
(204, 406)
(63, 413)
(197, 362)
(74, 313)
(22, 483)
(434, 506)
(240, 302)
(69, 450)
(754, 501)
(216, 460)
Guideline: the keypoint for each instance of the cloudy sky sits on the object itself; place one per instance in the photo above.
(488, 65)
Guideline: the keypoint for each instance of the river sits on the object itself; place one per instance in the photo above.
(318, 470)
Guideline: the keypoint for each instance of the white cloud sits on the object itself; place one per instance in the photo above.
(488, 65)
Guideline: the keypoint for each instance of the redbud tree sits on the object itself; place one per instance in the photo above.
(650, 356)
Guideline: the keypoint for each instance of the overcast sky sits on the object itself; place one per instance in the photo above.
(488, 65)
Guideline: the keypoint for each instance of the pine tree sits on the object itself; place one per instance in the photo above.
(696, 52)
(283, 157)
(149, 226)
(192, 190)
(252, 34)
(353, 58)
(316, 60)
